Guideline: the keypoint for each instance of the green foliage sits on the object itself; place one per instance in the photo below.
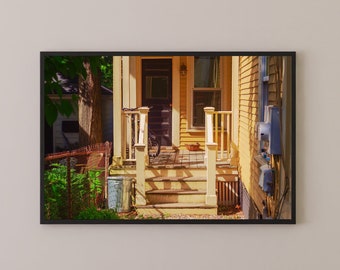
(51, 111)
(95, 183)
(106, 69)
(94, 214)
(55, 192)
(79, 192)
(85, 188)
(70, 67)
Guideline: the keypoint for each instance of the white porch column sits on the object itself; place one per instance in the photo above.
(176, 86)
(133, 81)
(117, 111)
(211, 198)
(126, 82)
(140, 174)
(143, 131)
(209, 130)
(210, 156)
(142, 158)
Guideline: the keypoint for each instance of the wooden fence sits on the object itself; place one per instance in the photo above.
(83, 159)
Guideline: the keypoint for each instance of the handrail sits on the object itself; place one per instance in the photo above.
(130, 119)
(218, 126)
(135, 131)
(221, 127)
(214, 142)
(137, 143)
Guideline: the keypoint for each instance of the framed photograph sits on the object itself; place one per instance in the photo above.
(168, 137)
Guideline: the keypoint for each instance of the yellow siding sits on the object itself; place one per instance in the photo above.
(187, 137)
(248, 117)
(275, 80)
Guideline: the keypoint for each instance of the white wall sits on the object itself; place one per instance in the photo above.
(309, 27)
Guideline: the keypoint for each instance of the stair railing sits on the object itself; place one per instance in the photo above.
(135, 138)
(222, 128)
(135, 131)
(217, 146)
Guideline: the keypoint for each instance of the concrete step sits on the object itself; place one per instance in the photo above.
(176, 172)
(175, 196)
(175, 183)
(176, 209)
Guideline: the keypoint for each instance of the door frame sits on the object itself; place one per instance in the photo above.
(175, 92)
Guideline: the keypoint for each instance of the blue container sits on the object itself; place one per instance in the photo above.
(119, 193)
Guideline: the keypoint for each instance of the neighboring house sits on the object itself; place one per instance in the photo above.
(64, 134)
(177, 89)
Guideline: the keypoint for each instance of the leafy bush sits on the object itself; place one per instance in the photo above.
(55, 192)
(95, 184)
(94, 214)
(86, 189)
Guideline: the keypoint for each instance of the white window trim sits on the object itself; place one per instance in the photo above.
(190, 90)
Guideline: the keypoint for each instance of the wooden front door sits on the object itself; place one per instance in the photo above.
(157, 94)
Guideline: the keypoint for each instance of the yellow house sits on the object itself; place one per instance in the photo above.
(213, 100)
(263, 82)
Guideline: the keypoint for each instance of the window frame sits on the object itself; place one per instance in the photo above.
(210, 91)
(191, 89)
(263, 96)
(264, 86)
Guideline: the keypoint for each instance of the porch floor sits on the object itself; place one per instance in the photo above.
(175, 158)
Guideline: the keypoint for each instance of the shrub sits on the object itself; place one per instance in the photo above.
(55, 192)
(94, 214)
(86, 189)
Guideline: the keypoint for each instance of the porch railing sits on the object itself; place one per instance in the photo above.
(135, 146)
(217, 140)
(218, 130)
(134, 131)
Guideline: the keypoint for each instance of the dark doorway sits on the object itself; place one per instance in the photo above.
(157, 94)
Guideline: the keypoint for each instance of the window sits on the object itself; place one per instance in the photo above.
(206, 90)
(70, 126)
(156, 87)
(204, 99)
(207, 72)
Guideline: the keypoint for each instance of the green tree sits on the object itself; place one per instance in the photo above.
(92, 72)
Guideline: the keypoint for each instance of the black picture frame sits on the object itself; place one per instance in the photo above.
(260, 85)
